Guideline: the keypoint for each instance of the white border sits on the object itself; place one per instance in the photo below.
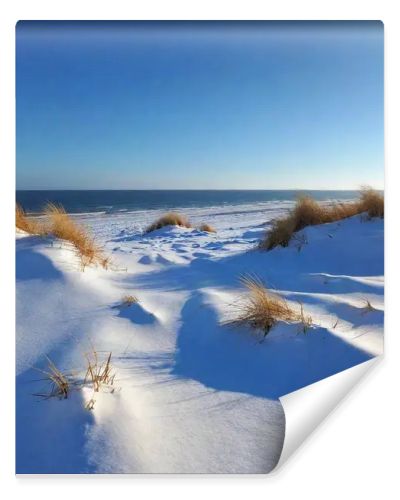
(348, 456)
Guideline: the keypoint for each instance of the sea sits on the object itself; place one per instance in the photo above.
(116, 201)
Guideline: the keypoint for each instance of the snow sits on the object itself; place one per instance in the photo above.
(191, 394)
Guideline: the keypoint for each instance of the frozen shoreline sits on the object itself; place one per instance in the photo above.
(193, 395)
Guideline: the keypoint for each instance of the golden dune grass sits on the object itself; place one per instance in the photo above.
(372, 202)
(58, 223)
(308, 212)
(59, 382)
(262, 309)
(207, 228)
(97, 373)
(28, 224)
(169, 219)
(62, 226)
(128, 300)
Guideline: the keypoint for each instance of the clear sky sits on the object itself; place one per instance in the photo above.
(199, 105)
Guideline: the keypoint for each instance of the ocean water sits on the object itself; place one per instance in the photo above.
(114, 201)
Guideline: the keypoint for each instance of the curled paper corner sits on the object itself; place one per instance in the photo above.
(306, 408)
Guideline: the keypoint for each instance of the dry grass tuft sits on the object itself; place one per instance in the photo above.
(98, 374)
(372, 202)
(305, 321)
(280, 233)
(28, 224)
(368, 307)
(60, 383)
(263, 309)
(339, 211)
(62, 226)
(105, 262)
(308, 212)
(128, 300)
(169, 219)
(207, 228)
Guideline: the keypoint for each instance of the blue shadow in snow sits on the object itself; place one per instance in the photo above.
(136, 314)
(32, 265)
(358, 316)
(224, 359)
(51, 435)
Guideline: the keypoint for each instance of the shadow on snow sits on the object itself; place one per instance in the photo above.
(32, 265)
(224, 359)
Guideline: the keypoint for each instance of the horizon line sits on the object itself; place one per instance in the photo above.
(196, 189)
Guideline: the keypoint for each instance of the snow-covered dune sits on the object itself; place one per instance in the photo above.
(190, 393)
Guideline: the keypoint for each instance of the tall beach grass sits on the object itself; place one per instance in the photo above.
(29, 224)
(57, 223)
(309, 212)
(62, 226)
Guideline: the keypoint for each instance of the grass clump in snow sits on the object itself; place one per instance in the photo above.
(62, 226)
(28, 224)
(98, 375)
(372, 202)
(305, 321)
(207, 228)
(262, 309)
(58, 223)
(128, 300)
(368, 307)
(169, 219)
(308, 212)
(59, 382)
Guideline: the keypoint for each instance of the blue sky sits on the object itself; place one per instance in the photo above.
(199, 105)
